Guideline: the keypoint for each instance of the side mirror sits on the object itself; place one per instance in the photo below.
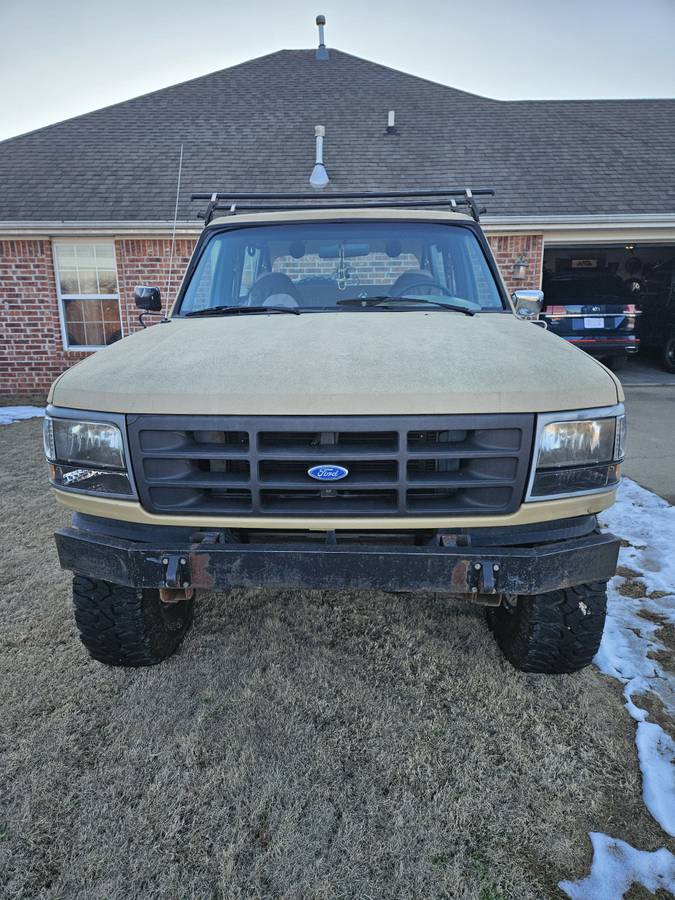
(528, 304)
(148, 298)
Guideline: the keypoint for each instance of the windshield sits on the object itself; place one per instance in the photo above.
(318, 267)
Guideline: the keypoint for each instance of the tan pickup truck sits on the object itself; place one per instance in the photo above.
(343, 395)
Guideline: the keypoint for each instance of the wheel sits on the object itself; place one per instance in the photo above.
(669, 354)
(123, 626)
(552, 633)
(616, 363)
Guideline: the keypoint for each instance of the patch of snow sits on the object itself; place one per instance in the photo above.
(647, 523)
(616, 866)
(656, 751)
(10, 414)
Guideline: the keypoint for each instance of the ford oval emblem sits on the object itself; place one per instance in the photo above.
(328, 473)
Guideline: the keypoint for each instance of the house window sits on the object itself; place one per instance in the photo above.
(86, 280)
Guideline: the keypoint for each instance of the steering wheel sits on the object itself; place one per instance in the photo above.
(423, 283)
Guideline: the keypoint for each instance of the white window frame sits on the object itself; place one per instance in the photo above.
(83, 348)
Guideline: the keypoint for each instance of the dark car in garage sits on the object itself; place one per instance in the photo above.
(657, 300)
(595, 311)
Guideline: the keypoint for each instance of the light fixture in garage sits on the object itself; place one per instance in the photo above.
(520, 267)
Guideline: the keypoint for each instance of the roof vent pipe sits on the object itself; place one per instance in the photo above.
(321, 53)
(319, 177)
(391, 122)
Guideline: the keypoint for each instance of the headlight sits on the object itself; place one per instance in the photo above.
(86, 456)
(573, 443)
(578, 453)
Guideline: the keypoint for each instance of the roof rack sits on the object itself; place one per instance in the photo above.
(230, 203)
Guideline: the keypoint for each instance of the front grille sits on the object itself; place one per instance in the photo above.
(398, 465)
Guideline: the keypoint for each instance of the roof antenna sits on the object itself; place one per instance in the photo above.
(321, 53)
(173, 232)
(319, 177)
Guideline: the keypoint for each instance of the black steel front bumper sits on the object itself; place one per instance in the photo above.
(208, 560)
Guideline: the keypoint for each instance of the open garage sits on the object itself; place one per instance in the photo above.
(613, 300)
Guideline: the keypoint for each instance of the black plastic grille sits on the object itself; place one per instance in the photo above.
(398, 466)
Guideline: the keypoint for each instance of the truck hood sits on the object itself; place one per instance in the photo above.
(344, 363)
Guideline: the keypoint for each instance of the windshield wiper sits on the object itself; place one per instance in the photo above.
(383, 301)
(239, 310)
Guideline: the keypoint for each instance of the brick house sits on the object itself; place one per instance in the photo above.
(87, 205)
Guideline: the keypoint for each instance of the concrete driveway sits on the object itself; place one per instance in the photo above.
(650, 458)
(645, 369)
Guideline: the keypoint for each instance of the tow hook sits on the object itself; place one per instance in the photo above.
(177, 579)
(482, 577)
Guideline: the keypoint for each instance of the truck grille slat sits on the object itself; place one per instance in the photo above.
(397, 465)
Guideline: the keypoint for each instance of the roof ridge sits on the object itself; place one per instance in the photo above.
(241, 65)
(340, 53)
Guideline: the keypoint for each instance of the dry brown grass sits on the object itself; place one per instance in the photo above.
(323, 745)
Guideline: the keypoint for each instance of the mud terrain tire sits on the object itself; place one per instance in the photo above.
(123, 626)
(552, 633)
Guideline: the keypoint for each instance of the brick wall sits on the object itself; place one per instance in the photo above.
(375, 268)
(507, 248)
(146, 261)
(31, 347)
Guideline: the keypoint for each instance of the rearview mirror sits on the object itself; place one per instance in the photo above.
(528, 304)
(148, 298)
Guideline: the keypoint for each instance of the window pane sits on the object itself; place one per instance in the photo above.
(86, 255)
(73, 311)
(75, 334)
(65, 254)
(107, 282)
(69, 281)
(92, 310)
(112, 332)
(110, 310)
(88, 281)
(105, 256)
(95, 334)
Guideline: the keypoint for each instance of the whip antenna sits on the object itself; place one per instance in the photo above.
(173, 232)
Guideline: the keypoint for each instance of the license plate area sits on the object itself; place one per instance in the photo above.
(594, 322)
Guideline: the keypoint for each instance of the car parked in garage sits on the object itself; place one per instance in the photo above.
(596, 311)
(657, 299)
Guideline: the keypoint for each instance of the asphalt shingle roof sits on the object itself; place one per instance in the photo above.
(251, 127)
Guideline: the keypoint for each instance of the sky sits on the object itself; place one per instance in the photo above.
(61, 58)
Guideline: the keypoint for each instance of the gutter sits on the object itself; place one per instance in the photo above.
(658, 225)
(654, 226)
(99, 228)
